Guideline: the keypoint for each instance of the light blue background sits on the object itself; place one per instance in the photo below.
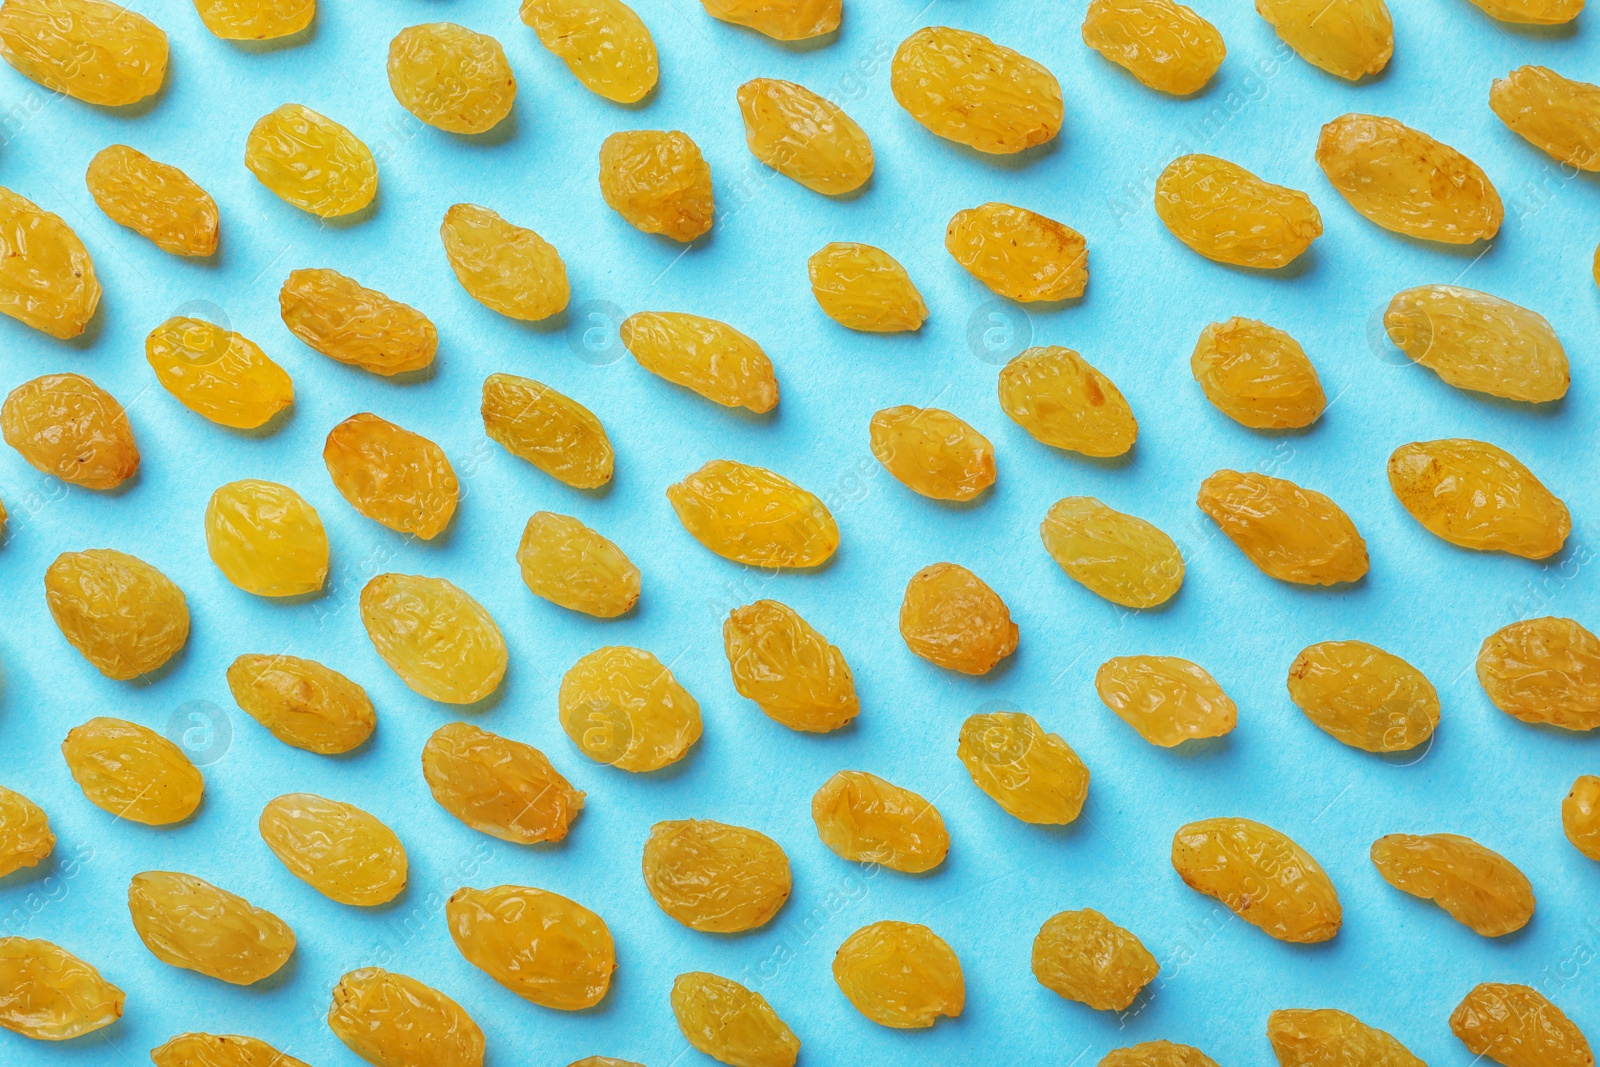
(1399, 963)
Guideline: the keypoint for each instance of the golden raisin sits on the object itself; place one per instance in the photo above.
(865, 819)
(1261, 876)
(47, 279)
(753, 516)
(933, 452)
(1157, 1054)
(1292, 534)
(187, 922)
(312, 162)
(440, 641)
(1349, 38)
(25, 836)
(302, 703)
(782, 20)
(154, 200)
(1327, 1038)
(1532, 12)
(392, 1020)
(65, 425)
(951, 618)
(713, 877)
(255, 20)
(1032, 775)
(1165, 45)
(1515, 1025)
(968, 89)
(540, 945)
(1543, 671)
(1363, 696)
(220, 1050)
(266, 539)
(337, 849)
(1120, 557)
(217, 373)
(48, 994)
(498, 786)
(862, 287)
(1225, 213)
(1580, 815)
(1479, 888)
(1020, 254)
(451, 77)
(1084, 956)
(1479, 342)
(604, 43)
(658, 181)
(1257, 375)
(132, 772)
(98, 52)
(707, 356)
(789, 669)
(730, 1023)
(1557, 115)
(1478, 496)
(123, 615)
(1061, 400)
(506, 268)
(391, 475)
(621, 706)
(569, 564)
(552, 431)
(900, 974)
(804, 136)
(1166, 699)
(343, 320)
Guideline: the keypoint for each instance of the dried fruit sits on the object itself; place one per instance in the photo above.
(498, 786)
(862, 287)
(217, 373)
(1166, 699)
(47, 279)
(1061, 400)
(1034, 776)
(622, 707)
(1479, 888)
(1478, 496)
(343, 320)
(1084, 956)
(48, 994)
(154, 200)
(312, 162)
(220, 1050)
(1165, 45)
(865, 819)
(604, 43)
(1532, 12)
(1515, 1025)
(1327, 1038)
(713, 877)
(1225, 213)
(730, 1023)
(1543, 671)
(440, 641)
(1350, 38)
(1261, 876)
(1476, 341)
(1557, 115)
(900, 974)
(569, 564)
(951, 618)
(1407, 182)
(751, 515)
(254, 20)
(1020, 254)
(933, 452)
(451, 77)
(187, 922)
(393, 1020)
(132, 772)
(506, 268)
(804, 136)
(789, 669)
(65, 425)
(337, 849)
(1292, 534)
(98, 52)
(1580, 815)
(25, 836)
(266, 539)
(1120, 557)
(123, 615)
(552, 431)
(1363, 696)
(541, 946)
(968, 89)
(707, 356)
(302, 703)
(658, 181)
(1157, 1054)
(1257, 375)
(603, 1061)
(782, 20)
(391, 475)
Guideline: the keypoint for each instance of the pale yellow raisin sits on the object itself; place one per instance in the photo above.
(1157, 1054)
(337, 849)
(507, 268)
(1517, 1026)
(1064, 402)
(1363, 696)
(312, 162)
(1543, 671)
(864, 288)
(1257, 375)
(1225, 213)
(122, 614)
(1350, 38)
(498, 786)
(1084, 956)
(302, 703)
(1479, 342)
(1260, 875)
(1478, 496)
(132, 772)
(48, 994)
(266, 539)
(451, 77)
(344, 320)
(950, 617)
(782, 20)
(704, 355)
(220, 1050)
(569, 564)
(933, 452)
(99, 52)
(1166, 699)
(1325, 1037)
(47, 279)
(728, 1022)
(155, 200)
(658, 181)
(901, 975)
(804, 136)
(1478, 887)
(393, 1020)
(217, 373)
(1580, 815)
(714, 877)
(1165, 45)
(968, 89)
(1532, 13)
(440, 641)
(865, 819)
(789, 669)
(391, 475)
(1018, 253)
(1557, 115)
(25, 836)
(1117, 556)
(753, 516)
(66, 425)
(604, 43)
(1292, 534)
(548, 429)
(622, 707)
(187, 922)
(255, 20)
(1032, 775)
(540, 945)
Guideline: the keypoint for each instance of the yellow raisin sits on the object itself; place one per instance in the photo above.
(540, 945)
(505, 268)
(337, 849)
(25, 836)
(1349, 38)
(1157, 1054)
(1557, 115)
(217, 373)
(1061, 400)
(1327, 1038)
(900, 974)
(730, 1023)
(1165, 45)
(1292, 534)
(1543, 671)
(98, 52)
(132, 772)
(393, 1020)
(864, 288)
(255, 20)
(933, 452)
(865, 819)
(704, 355)
(1257, 375)
(622, 707)
(569, 564)
(714, 877)
(1515, 1025)
(782, 20)
(1479, 888)
(1479, 342)
(951, 618)
(65, 425)
(154, 200)
(1260, 875)
(1225, 213)
(968, 89)
(552, 431)
(220, 1050)
(1032, 775)
(343, 320)
(391, 475)
(123, 615)
(48, 994)
(1084, 956)
(187, 922)
(266, 539)
(804, 136)
(1580, 815)
(753, 516)
(440, 641)
(47, 279)
(1531, 12)
(658, 181)
(1363, 696)
(1020, 254)
(451, 77)
(302, 703)
(1166, 699)
(604, 43)
(498, 786)
(1478, 496)
(312, 162)
(789, 669)
(1120, 557)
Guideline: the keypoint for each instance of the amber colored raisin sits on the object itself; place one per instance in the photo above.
(933, 452)
(789, 669)
(1064, 402)
(391, 475)
(154, 200)
(132, 772)
(714, 877)
(1479, 888)
(65, 425)
(302, 703)
(604, 43)
(548, 429)
(123, 615)
(1165, 45)
(343, 320)
(1517, 1026)
(1479, 342)
(900, 974)
(1478, 496)
(25, 836)
(1363, 696)
(99, 52)
(865, 819)
(968, 89)
(658, 181)
(255, 20)
(451, 77)
(1225, 213)
(864, 288)
(1166, 699)
(217, 373)
(704, 355)
(393, 1020)
(1557, 115)
(951, 618)
(1261, 876)
(1019, 254)
(1350, 38)
(1543, 671)
(1157, 1054)
(782, 20)
(187, 922)
(1084, 956)
(1257, 375)
(1532, 13)
(337, 849)
(569, 564)
(1580, 815)
(751, 515)
(47, 279)
(731, 1023)
(621, 706)
(540, 945)
(498, 786)
(1032, 775)
(266, 539)
(1120, 557)
(440, 641)
(506, 268)
(1324, 1037)
(220, 1050)
(48, 994)
(312, 162)
(1292, 534)
(804, 136)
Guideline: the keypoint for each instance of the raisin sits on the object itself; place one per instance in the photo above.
(266, 539)
(1349, 38)
(1257, 375)
(968, 89)
(603, 1061)
(782, 20)
(391, 475)
(1292, 534)
(65, 425)
(155, 200)
(1225, 213)
(552, 431)
(865, 819)
(1167, 700)
(604, 43)
(951, 618)
(123, 615)
(47, 279)
(1166, 46)
(440, 641)
(498, 786)
(569, 564)
(343, 320)
(1061, 400)
(312, 162)
(1531, 12)
(1478, 496)
(98, 52)
(789, 669)
(217, 373)
(302, 703)
(393, 1020)
(622, 707)
(753, 516)
(730, 1023)
(255, 20)
(506, 268)
(1157, 1054)
(540, 945)
(1032, 775)
(1120, 557)
(1479, 888)
(1556, 115)
(1019, 254)
(658, 181)
(25, 836)
(1363, 696)
(1328, 1038)
(900, 974)
(864, 288)
(220, 1050)
(713, 877)
(1479, 342)
(1084, 956)
(704, 355)
(1580, 815)
(1515, 1025)
(337, 849)
(933, 452)
(1261, 876)
(1543, 671)
(48, 994)
(132, 772)
(451, 77)
(187, 922)
(804, 136)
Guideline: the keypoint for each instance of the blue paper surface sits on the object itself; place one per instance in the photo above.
(1399, 963)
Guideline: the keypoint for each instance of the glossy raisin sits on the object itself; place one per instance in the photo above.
(1479, 342)
(1293, 534)
(132, 772)
(1167, 700)
(707, 356)
(540, 945)
(1257, 375)
(933, 452)
(1517, 1026)
(782, 20)
(569, 564)
(123, 615)
(1165, 45)
(1478, 496)
(714, 877)
(266, 539)
(302, 703)
(1225, 213)
(1349, 38)
(753, 516)
(1363, 696)
(622, 707)
(1084, 956)
(1120, 557)
(312, 162)
(1064, 402)
(1157, 1054)
(220, 1050)
(900, 974)
(865, 819)
(48, 994)
(804, 136)
(968, 89)
(731, 1023)
(1019, 254)
(65, 425)
(1557, 115)
(47, 279)
(864, 288)
(1327, 1038)
(1580, 815)
(506, 268)
(25, 836)
(337, 849)
(498, 786)
(391, 475)
(1543, 671)
(789, 669)
(343, 320)
(440, 641)
(255, 20)
(93, 50)
(604, 43)
(1531, 12)
(1478, 887)
(187, 922)
(1032, 775)
(217, 373)
(550, 430)
(950, 617)
(658, 181)
(451, 77)
(1261, 876)
(393, 1020)
(155, 200)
